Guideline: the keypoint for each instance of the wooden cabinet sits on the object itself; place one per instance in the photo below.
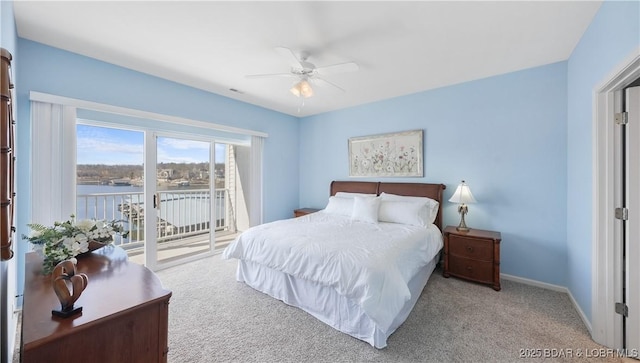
(473, 255)
(124, 314)
(7, 157)
(304, 211)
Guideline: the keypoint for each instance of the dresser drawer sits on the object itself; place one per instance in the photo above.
(473, 248)
(481, 271)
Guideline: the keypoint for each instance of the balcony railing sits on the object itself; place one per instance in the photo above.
(181, 214)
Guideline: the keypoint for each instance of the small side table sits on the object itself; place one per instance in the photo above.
(304, 211)
(473, 255)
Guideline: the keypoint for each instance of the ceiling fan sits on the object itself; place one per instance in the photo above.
(307, 72)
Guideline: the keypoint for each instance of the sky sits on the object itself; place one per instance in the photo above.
(102, 145)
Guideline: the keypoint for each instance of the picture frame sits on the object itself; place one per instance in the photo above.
(387, 155)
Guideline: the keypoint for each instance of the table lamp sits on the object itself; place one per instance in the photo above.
(462, 196)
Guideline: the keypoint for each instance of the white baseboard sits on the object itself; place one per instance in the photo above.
(552, 287)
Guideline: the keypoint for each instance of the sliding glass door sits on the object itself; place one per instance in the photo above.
(110, 179)
(184, 198)
(162, 187)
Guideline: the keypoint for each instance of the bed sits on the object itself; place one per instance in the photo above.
(359, 265)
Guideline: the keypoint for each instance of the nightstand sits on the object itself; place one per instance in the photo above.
(304, 211)
(473, 255)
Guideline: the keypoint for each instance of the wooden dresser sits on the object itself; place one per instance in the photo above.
(473, 255)
(124, 316)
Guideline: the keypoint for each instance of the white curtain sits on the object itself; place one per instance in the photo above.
(53, 161)
(255, 180)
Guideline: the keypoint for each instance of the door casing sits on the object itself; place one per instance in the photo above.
(632, 230)
(606, 325)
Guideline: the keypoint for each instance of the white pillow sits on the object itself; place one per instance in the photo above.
(430, 211)
(365, 209)
(411, 213)
(341, 206)
(353, 195)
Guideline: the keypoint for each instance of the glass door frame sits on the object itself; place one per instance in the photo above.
(149, 168)
(151, 190)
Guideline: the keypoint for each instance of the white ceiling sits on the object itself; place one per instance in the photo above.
(401, 47)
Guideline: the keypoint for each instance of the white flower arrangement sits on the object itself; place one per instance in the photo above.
(65, 240)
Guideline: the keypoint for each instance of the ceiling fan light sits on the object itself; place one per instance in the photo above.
(305, 89)
(302, 88)
(296, 90)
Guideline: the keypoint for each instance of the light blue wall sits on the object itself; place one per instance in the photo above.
(8, 34)
(505, 135)
(58, 72)
(611, 38)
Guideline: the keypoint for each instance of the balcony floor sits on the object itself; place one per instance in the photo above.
(173, 250)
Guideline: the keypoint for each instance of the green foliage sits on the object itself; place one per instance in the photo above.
(67, 239)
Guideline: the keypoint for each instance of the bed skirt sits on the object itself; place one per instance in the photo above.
(326, 304)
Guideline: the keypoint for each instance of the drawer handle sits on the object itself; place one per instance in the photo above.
(470, 248)
(469, 268)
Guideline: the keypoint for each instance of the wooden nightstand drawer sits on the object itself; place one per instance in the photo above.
(471, 247)
(304, 211)
(480, 271)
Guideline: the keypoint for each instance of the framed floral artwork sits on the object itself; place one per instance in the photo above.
(386, 155)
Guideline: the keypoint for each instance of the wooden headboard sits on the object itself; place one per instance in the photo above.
(433, 191)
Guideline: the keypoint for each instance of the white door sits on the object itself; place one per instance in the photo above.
(632, 233)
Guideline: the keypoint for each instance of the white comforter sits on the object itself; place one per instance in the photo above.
(369, 263)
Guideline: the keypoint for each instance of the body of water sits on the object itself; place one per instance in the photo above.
(106, 206)
(82, 189)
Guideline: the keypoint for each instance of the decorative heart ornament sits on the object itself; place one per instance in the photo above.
(68, 286)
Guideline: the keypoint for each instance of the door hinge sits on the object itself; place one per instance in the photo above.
(622, 213)
(622, 309)
(621, 118)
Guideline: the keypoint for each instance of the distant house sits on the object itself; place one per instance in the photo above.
(165, 174)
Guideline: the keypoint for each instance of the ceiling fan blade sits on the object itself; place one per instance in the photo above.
(322, 80)
(338, 68)
(289, 56)
(270, 75)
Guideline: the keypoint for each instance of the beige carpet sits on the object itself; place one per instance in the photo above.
(214, 318)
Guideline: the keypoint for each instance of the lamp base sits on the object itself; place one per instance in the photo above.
(462, 227)
(68, 312)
